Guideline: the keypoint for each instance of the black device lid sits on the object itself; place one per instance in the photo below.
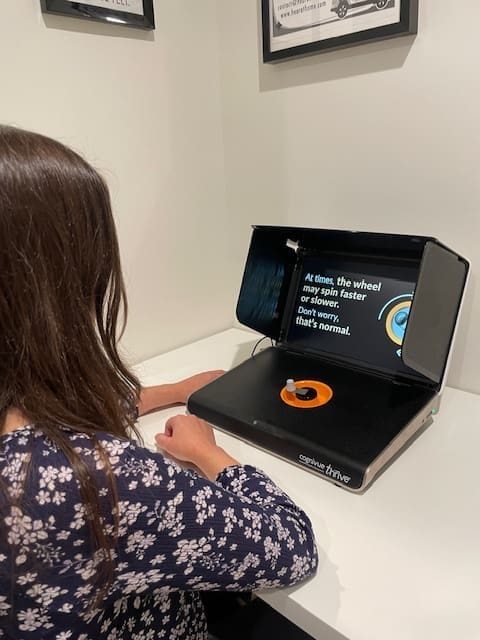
(272, 266)
(273, 257)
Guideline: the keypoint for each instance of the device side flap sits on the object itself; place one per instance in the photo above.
(266, 279)
(434, 311)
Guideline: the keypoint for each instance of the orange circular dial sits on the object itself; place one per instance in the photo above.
(323, 394)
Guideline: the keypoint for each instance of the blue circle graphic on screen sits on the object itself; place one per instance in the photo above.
(399, 323)
(396, 317)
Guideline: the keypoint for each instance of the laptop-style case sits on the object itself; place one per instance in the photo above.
(361, 325)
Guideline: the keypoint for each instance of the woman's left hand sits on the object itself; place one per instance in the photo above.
(165, 395)
(193, 383)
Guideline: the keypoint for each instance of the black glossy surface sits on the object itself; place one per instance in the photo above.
(364, 415)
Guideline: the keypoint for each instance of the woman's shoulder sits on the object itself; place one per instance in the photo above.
(53, 467)
(33, 440)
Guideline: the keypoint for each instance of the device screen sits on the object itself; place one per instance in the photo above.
(354, 310)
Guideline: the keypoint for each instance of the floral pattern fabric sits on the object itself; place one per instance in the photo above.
(178, 534)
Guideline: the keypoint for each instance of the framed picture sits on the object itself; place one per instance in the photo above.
(132, 13)
(294, 28)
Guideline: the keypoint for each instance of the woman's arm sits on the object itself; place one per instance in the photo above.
(240, 532)
(163, 395)
(191, 442)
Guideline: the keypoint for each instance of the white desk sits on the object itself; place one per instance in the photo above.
(402, 561)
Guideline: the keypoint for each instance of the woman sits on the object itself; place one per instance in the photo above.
(99, 537)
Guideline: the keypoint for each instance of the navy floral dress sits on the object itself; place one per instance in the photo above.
(179, 534)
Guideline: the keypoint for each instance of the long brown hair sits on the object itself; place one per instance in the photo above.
(61, 298)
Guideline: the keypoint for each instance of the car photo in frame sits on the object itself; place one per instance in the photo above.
(293, 28)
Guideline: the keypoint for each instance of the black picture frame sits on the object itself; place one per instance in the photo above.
(120, 12)
(294, 28)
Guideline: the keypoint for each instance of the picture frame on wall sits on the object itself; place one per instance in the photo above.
(130, 13)
(293, 28)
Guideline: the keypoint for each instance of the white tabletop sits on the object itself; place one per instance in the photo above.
(400, 562)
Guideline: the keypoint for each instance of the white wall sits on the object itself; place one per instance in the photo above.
(381, 137)
(199, 140)
(145, 108)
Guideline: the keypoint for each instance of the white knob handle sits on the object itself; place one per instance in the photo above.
(290, 386)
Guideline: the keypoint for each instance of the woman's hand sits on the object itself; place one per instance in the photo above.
(191, 441)
(164, 395)
(187, 386)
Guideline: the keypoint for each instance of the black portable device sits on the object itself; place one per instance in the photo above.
(362, 325)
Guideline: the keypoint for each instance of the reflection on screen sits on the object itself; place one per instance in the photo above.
(259, 297)
(353, 310)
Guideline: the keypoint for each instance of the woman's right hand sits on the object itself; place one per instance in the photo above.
(192, 441)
